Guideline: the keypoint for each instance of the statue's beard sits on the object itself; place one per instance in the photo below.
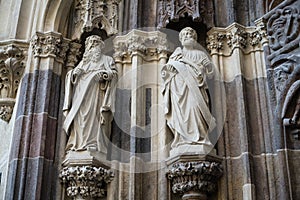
(92, 55)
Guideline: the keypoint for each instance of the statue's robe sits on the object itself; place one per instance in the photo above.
(186, 98)
(89, 106)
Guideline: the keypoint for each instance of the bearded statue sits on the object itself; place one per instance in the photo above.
(89, 99)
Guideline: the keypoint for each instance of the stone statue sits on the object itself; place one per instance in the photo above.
(185, 93)
(89, 99)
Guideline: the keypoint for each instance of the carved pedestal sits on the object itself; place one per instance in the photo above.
(194, 176)
(85, 176)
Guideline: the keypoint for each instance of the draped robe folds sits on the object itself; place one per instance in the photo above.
(185, 97)
(89, 106)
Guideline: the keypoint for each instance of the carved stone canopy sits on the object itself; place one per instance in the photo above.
(172, 10)
(90, 13)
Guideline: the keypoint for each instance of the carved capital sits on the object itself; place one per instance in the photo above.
(12, 65)
(50, 44)
(147, 44)
(200, 11)
(72, 55)
(85, 181)
(90, 13)
(199, 176)
(225, 40)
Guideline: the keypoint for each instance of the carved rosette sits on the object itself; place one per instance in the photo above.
(84, 182)
(90, 13)
(12, 65)
(199, 176)
(147, 44)
(50, 44)
(200, 11)
(225, 40)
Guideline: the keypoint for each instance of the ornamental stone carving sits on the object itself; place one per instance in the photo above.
(193, 175)
(172, 10)
(225, 40)
(50, 44)
(199, 176)
(283, 31)
(90, 13)
(85, 182)
(12, 67)
(72, 55)
(147, 44)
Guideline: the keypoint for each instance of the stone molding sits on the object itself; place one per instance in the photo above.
(223, 41)
(12, 65)
(85, 181)
(200, 11)
(50, 44)
(146, 44)
(90, 13)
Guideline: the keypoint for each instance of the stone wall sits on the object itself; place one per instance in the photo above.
(259, 144)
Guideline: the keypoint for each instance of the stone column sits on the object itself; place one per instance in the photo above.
(194, 176)
(237, 51)
(31, 163)
(139, 56)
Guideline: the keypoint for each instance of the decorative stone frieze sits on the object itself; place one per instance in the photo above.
(89, 14)
(147, 44)
(224, 40)
(12, 65)
(200, 11)
(50, 44)
(194, 176)
(84, 182)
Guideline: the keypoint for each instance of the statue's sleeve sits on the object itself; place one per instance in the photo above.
(68, 93)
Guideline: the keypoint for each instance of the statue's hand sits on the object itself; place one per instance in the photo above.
(103, 75)
(99, 77)
(78, 71)
(171, 68)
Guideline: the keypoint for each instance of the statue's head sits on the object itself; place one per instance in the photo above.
(94, 41)
(188, 37)
(93, 46)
